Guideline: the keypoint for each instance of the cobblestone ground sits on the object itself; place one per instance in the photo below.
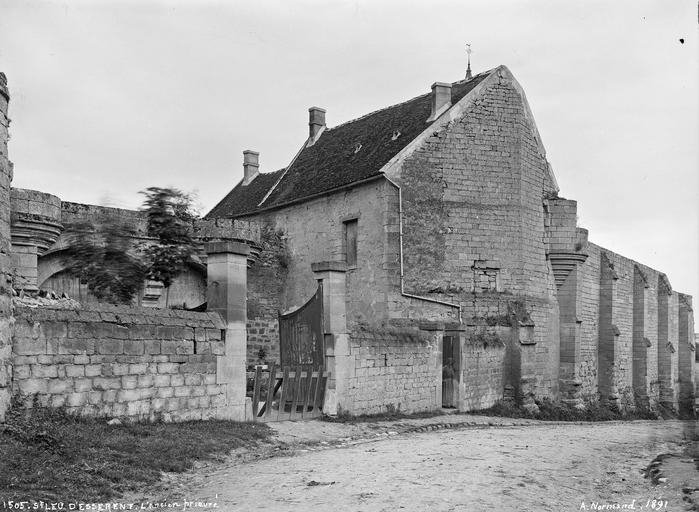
(537, 466)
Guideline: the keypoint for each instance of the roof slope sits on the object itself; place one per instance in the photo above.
(245, 198)
(346, 154)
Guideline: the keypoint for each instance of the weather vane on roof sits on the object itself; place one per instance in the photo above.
(468, 69)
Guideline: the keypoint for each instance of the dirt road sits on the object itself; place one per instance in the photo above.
(567, 467)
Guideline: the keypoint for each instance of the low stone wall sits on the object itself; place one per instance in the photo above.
(119, 361)
(395, 370)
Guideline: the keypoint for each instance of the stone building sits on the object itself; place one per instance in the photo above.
(451, 274)
(440, 221)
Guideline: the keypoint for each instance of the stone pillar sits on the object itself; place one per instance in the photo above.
(641, 343)
(569, 303)
(667, 349)
(686, 355)
(338, 359)
(608, 333)
(226, 294)
(5, 275)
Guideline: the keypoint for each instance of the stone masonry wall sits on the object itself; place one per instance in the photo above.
(395, 371)
(485, 367)
(5, 273)
(473, 223)
(119, 361)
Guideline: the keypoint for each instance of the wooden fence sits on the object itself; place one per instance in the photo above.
(288, 393)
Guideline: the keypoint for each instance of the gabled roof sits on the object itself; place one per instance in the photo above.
(349, 153)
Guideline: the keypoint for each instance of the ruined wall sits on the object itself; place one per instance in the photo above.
(5, 273)
(140, 363)
(629, 329)
(474, 223)
(188, 289)
(394, 370)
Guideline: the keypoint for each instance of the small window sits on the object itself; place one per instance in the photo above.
(350, 228)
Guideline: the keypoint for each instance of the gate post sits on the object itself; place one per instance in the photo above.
(331, 274)
(226, 294)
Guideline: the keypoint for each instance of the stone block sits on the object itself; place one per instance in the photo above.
(58, 400)
(55, 329)
(134, 347)
(22, 372)
(152, 346)
(32, 386)
(202, 347)
(110, 395)
(214, 334)
(94, 397)
(29, 346)
(161, 380)
(75, 370)
(82, 385)
(93, 370)
(120, 369)
(192, 379)
(168, 368)
(129, 381)
(181, 391)
(138, 369)
(177, 380)
(110, 346)
(106, 383)
(165, 392)
(128, 395)
(57, 386)
(146, 381)
(76, 399)
(80, 330)
(118, 409)
(138, 408)
(147, 393)
(40, 371)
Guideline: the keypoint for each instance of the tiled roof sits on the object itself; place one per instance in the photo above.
(245, 198)
(346, 154)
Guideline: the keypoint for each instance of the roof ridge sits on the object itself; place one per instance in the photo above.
(464, 80)
(460, 82)
(376, 112)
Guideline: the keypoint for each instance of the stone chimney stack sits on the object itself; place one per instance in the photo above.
(316, 122)
(441, 99)
(251, 165)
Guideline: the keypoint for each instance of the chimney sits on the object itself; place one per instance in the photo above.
(250, 165)
(316, 122)
(441, 99)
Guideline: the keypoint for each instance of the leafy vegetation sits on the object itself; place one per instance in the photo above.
(550, 410)
(103, 254)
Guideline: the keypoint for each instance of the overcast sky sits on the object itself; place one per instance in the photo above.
(109, 98)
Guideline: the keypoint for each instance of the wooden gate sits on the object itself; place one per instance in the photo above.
(286, 394)
(301, 334)
(296, 389)
(451, 358)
